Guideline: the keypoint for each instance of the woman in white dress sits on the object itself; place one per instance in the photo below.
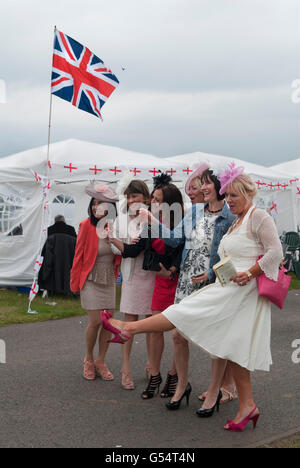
(231, 322)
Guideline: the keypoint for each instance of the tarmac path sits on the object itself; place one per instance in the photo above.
(45, 402)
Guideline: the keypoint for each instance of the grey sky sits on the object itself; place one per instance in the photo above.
(201, 75)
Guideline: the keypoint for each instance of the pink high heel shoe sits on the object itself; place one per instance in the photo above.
(239, 427)
(119, 337)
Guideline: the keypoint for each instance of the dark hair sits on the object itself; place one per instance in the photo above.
(171, 195)
(93, 220)
(138, 186)
(208, 177)
(59, 219)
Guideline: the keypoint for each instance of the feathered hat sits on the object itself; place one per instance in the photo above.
(198, 170)
(160, 180)
(229, 176)
(102, 192)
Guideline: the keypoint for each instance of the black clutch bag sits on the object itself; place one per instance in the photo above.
(151, 261)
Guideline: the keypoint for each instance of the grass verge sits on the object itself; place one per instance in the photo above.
(295, 283)
(289, 442)
(14, 306)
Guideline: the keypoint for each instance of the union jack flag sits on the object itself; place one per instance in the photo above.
(79, 76)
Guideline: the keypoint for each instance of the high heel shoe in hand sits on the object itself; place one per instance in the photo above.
(207, 413)
(119, 336)
(239, 427)
(175, 405)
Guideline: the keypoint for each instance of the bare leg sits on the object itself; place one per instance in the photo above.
(218, 369)
(91, 334)
(148, 342)
(182, 356)
(156, 348)
(228, 382)
(242, 379)
(104, 337)
(173, 370)
(126, 349)
(156, 323)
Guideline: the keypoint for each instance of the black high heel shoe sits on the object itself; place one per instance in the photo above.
(154, 384)
(170, 386)
(207, 413)
(175, 405)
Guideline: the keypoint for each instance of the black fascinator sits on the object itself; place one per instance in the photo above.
(162, 180)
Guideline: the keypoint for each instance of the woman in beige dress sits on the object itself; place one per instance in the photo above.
(93, 275)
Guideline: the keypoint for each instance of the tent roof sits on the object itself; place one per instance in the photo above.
(291, 168)
(251, 169)
(73, 160)
(82, 155)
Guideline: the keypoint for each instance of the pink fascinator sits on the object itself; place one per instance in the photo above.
(227, 177)
(198, 170)
(102, 192)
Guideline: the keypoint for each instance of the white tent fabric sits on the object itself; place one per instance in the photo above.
(73, 164)
(277, 190)
(292, 170)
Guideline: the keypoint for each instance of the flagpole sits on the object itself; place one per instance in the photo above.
(50, 114)
(43, 235)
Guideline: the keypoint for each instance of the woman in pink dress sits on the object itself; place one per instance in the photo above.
(138, 284)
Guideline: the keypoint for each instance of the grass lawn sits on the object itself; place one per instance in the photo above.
(295, 283)
(14, 306)
(289, 442)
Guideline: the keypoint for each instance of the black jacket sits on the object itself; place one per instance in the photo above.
(58, 253)
(61, 228)
(152, 259)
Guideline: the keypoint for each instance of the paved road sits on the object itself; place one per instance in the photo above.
(44, 401)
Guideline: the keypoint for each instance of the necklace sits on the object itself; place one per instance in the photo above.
(238, 221)
(213, 212)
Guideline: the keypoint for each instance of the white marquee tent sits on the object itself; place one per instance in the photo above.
(292, 170)
(72, 165)
(277, 189)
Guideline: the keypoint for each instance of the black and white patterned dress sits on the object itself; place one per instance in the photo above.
(197, 260)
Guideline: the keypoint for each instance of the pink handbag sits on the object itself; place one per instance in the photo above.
(274, 291)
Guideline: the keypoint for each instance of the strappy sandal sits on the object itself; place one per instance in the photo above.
(89, 372)
(154, 385)
(227, 396)
(127, 382)
(170, 386)
(103, 372)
